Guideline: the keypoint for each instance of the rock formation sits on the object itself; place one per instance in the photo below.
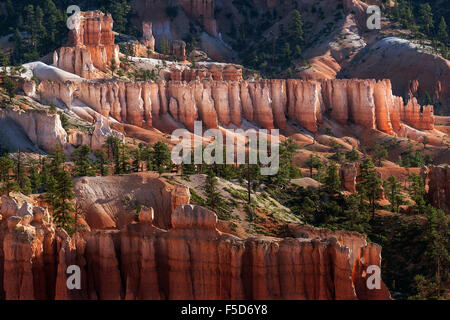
(439, 187)
(191, 260)
(43, 129)
(205, 71)
(267, 103)
(203, 12)
(123, 195)
(348, 173)
(90, 46)
(179, 50)
(95, 139)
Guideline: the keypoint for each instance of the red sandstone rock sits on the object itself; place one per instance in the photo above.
(411, 114)
(179, 50)
(90, 46)
(348, 173)
(439, 187)
(369, 255)
(190, 261)
(267, 103)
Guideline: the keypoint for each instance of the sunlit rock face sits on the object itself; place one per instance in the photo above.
(43, 129)
(90, 46)
(268, 104)
(189, 260)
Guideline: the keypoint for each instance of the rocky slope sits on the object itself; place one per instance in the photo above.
(192, 260)
(431, 75)
(111, 202)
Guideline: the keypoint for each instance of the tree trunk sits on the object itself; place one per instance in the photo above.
(249, 183)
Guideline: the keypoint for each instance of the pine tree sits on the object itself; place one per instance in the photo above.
(436, 236)
(57, 159)
(427, 99)
(393, 190)
(147, 156)
(119, 11)
(426, 17)
(124, 158)
(101, 162)
(442, 33)
(137, 156)
(165, 46)
(21, 177)
(296, 28)
(51, 191)
(369, 185)
(83, 165)
(7, 184)
(313, 162)
(213, 197)
(10, 87)
(35, 180)
(332, 180)
(379, 154)
(352, 155)
(417, 192)
(161, 156)
(62, 208)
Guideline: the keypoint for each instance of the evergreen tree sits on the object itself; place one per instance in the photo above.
(393, 191)
(426, 17)
(352, 155)
(161, 156)
(101, 162)
(10, 87)
(332, 180)
(124, 158)
(51, 191)
(7, 184)
(287, 169)
(137, 156)
(369, 185)
(436, 235)
(21, 177)
(35, 180)
(296, 28)
(62, 208)
(213, 197)
(147, 156)
(57, 159)
(313, 162)
(111, 145)
(165, 46)
(119, 10)
(44, 175)
(379, 154)
(83, 165)
(442, 31)
(417, 192)
(427, 99)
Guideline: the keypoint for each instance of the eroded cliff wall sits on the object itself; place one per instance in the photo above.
(192, 260)
(43, 129)
(267, 103)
